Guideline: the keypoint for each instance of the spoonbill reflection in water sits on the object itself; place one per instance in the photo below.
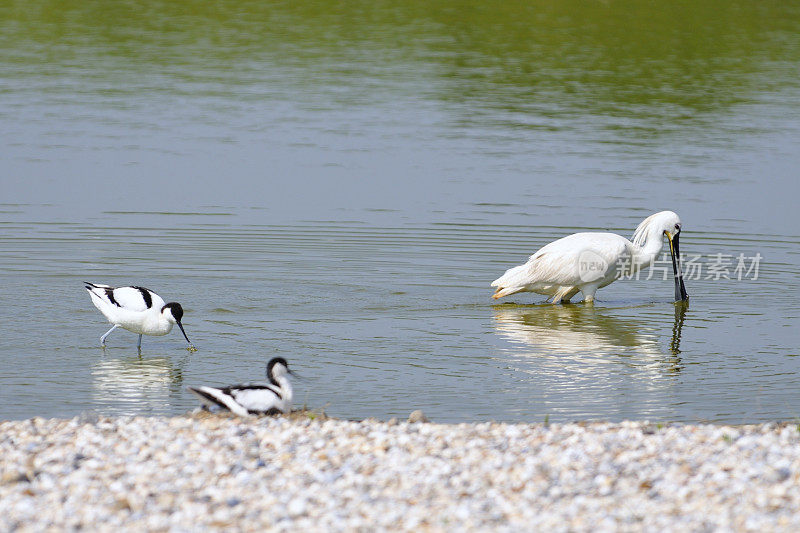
(585, 262)
(587, 331)
(600, 360)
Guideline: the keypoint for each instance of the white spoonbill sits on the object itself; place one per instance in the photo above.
(255, 398)
(136, 309)
(586, 262)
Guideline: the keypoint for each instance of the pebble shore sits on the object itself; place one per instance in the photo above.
(199, 473)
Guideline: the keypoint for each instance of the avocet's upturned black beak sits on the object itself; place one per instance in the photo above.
(184, 333)
(680, 289)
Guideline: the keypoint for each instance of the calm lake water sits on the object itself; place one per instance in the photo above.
(339, 184)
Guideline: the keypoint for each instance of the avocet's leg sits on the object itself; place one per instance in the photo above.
(140, 342)
(103, 338)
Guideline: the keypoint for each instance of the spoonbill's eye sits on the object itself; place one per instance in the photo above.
(678, 227)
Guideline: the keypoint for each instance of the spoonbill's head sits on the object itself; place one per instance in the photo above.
(650, 231)
(173, 312)
(670, 223)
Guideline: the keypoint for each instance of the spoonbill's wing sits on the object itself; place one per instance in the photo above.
(568, 261)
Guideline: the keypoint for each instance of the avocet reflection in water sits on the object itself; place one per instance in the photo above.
(136, 385)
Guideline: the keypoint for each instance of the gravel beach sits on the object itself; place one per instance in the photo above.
(196, 472)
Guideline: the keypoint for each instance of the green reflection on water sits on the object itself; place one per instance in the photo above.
(668, 61)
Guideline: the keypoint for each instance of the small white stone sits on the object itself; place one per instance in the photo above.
(296, 507)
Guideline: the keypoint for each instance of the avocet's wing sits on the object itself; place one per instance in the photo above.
(101, 294)
(242, 399)
(128, 298)
(137, 298)
(257, 398)
(218, 398)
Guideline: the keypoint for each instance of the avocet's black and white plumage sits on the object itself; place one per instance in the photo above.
(255, 398)
(136, 309)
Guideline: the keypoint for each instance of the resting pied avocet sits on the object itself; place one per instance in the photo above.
(586, 262)
(255, 398)
(136, 309)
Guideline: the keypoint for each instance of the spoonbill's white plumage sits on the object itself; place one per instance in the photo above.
(136, 309)
(255, 398)
(585, 262)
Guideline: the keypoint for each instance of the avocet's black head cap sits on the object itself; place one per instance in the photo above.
(176, 310)
(276, 361)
